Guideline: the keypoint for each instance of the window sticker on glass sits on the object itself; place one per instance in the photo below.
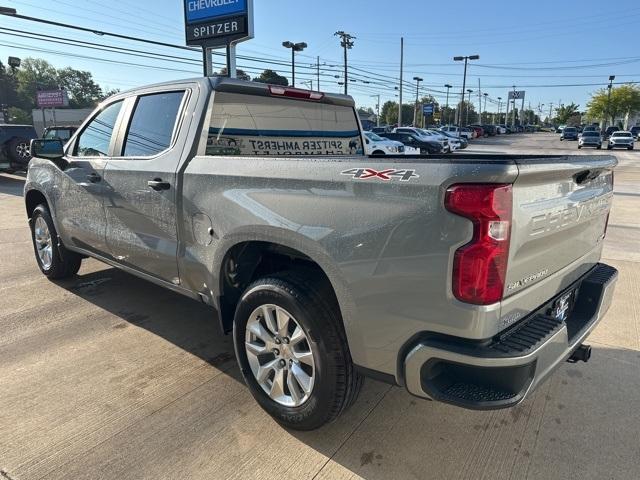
(266, 126)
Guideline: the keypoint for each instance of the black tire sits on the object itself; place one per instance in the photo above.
(16, 151)
(64, 263)
(599, 147)
(630, 148)
(609, 147)
(336, 382)
(579, 147)
(378, 153)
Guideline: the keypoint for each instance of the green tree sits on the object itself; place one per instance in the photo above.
(240, 74)
(83, 91)
(271, 77)
(565, 112)
(470, 117)
(625, 100)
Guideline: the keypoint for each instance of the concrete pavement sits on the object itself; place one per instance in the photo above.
(108, 377)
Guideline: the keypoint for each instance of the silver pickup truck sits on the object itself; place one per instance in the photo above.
(466, 279)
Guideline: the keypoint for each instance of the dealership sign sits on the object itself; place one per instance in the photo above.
(516, 95)
(216, 23)
(428, 109)
(52, 98)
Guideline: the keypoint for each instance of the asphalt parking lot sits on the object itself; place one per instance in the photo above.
(106, 376)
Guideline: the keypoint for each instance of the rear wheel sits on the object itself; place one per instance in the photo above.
(54, 260)
(378, 153)
(292, 351)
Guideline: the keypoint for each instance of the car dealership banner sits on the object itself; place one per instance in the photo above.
(52, 98)
(216, 23)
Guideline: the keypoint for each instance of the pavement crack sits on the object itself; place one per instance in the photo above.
(4, 475)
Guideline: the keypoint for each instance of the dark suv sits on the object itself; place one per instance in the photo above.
(569, 133)
(635, 131)
(425, 147)
(14, 146)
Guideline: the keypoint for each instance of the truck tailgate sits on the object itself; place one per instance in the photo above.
(560, 209)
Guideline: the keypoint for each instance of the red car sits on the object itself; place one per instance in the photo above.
(479, 131)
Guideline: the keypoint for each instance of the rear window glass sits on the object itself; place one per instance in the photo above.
(249, 125)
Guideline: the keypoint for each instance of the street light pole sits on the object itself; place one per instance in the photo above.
(513, 124)
(295, 47)
(609, 87)
(499, 107)
(464, 84)
(415, 112)
(447, 86)
(485, 106)
(468, 104)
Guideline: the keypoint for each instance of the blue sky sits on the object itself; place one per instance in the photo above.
(548, 48)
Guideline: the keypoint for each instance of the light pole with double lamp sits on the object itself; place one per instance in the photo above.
(464, 84)
(446, 109)
(415, 112)
(295, 47)
(469, 91)
(609, 87)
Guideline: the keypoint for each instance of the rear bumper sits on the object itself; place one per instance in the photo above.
(502, 371)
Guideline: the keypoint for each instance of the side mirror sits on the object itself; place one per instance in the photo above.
(51, 149)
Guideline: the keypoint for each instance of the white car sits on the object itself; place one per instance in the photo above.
(464, 132)
(376, 145)
(426, 134)
(620, 139)
(501, 130)
(454, 142)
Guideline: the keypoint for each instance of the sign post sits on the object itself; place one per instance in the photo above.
(213, 24)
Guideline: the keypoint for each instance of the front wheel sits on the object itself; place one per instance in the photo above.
(609, 147)
(630, 148)
(579, 147)
(599, 147)
(292, 351)
(54, 260)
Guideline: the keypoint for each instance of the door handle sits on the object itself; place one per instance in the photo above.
(94, 177)
(157, 184)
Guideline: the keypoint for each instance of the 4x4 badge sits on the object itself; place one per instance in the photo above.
(388, 174)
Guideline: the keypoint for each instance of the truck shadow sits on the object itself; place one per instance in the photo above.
(11, 184)
(388, 433)
(189, 325)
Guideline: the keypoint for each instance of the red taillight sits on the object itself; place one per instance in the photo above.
(295, 93)
(480, 266)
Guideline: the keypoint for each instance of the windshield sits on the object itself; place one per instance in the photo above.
(622, 134)
(591, 134)
(373, 137)
(570, 130)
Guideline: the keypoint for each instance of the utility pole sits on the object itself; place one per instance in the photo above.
(499, 105)
(550, 112)
(401, 69)
(513, 124)
(347, 44)
(447, 86)
(318, 71)
(415, 111)
(479, 103)
(378, 110)
(468, 104)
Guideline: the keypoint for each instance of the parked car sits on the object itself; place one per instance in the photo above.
(460, 143)
(426, 135)
(620, 139)
(609, 131)
(505, 128)
(383, 129)
(325, 264)
(448, 146)
(62, 132)
(591, 128)
(377, 145)
(464, 132)
(560, 128)
(569, 133)
(478, 131)
(635, 131)
(491, 130)
(422, 144)
(14, 146)
(590, 139)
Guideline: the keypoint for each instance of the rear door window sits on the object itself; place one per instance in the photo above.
(152, 124)
(250, 125)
